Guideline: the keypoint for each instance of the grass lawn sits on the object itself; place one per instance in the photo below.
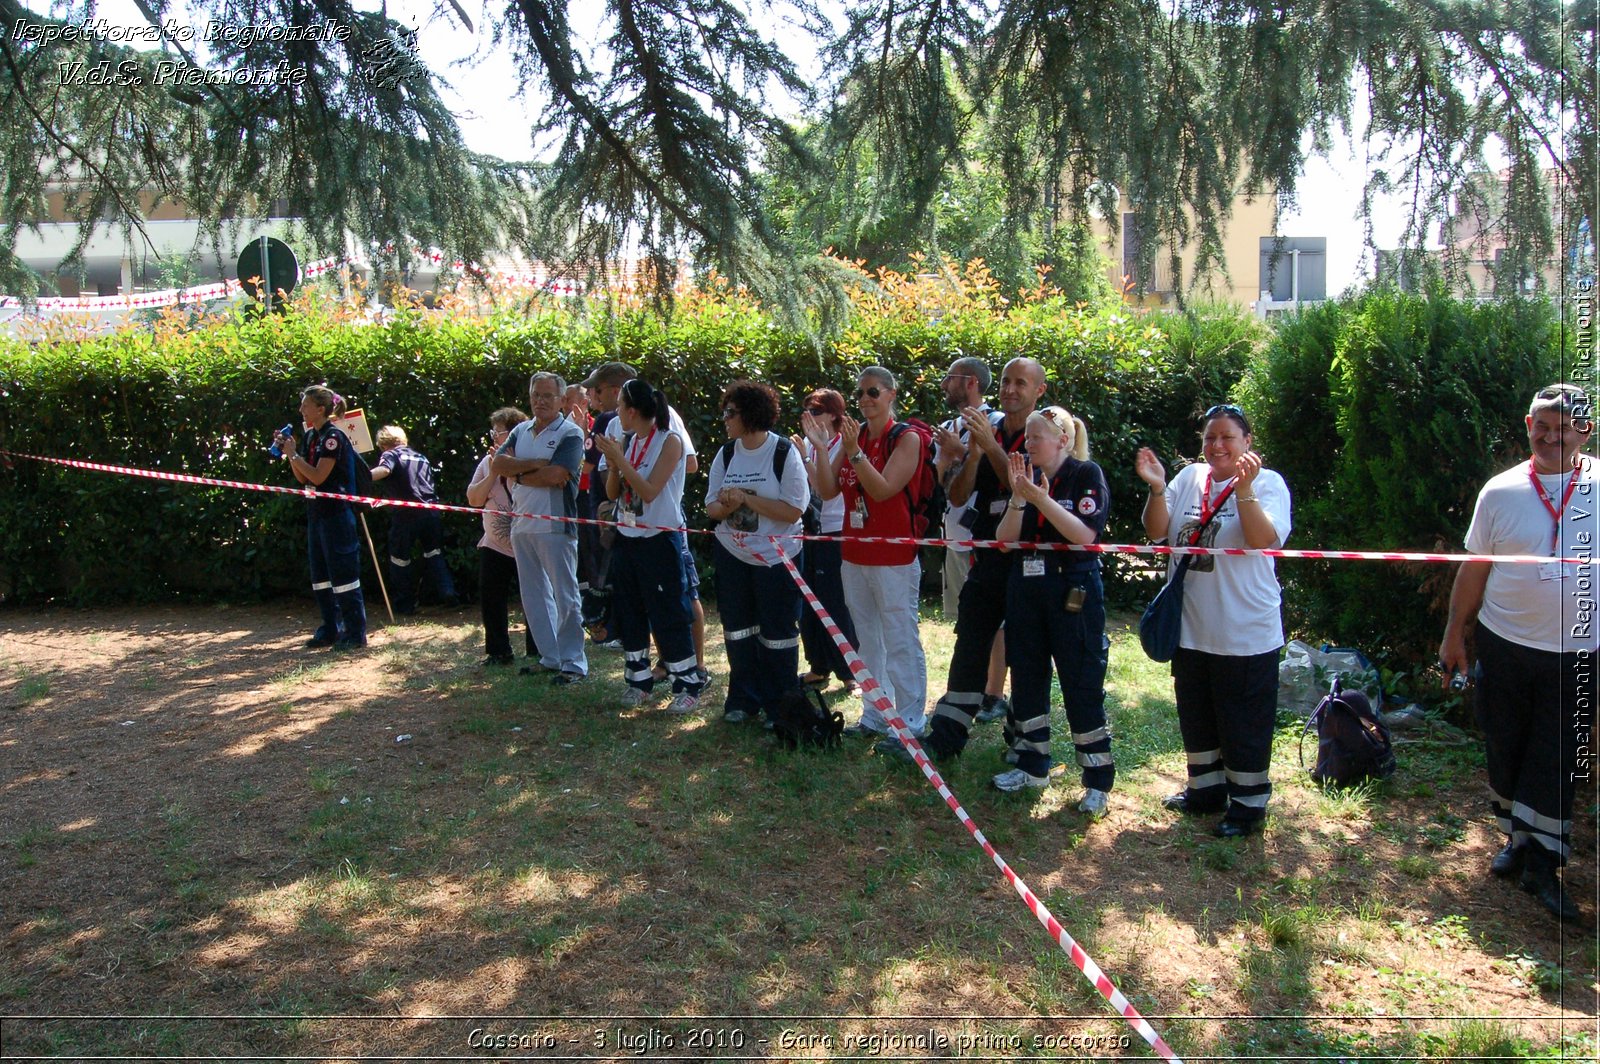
(245, 849)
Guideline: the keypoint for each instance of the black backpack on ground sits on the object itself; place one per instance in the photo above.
(798, 721)
(1353, 744)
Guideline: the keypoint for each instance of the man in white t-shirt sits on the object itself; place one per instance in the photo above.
(541, 459)
(965, 384)
(1536, 640)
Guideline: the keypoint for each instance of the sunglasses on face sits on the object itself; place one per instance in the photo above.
(870, 393)
(816, 411)
(959, 377)
(729, 412)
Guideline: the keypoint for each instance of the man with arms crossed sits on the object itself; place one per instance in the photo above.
(541, 458)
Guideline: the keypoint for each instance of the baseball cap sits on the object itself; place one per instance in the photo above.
(610, 373)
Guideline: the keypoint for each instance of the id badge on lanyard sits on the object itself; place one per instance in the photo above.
(1553, 570)
(858, 513)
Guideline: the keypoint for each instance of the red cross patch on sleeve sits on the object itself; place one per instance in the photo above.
(330, 444)
(1087, 505)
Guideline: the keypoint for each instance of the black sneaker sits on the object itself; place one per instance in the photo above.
(993, 711)
(496, 660)
(1508, 862)
(348, 644)
(317, 642)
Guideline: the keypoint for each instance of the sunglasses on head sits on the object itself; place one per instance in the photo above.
(871, 393)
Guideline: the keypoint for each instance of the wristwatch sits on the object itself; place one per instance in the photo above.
(859, 456)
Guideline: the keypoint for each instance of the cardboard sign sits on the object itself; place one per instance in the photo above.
(353, 424)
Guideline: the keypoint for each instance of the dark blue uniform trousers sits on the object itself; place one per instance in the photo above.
(1041, 630)
(406, 528)
(335, 552)
(758, 607)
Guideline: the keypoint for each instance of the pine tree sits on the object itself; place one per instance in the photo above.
(664, 140)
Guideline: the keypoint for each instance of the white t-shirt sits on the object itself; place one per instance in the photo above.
(674, 424)
(752, 472)
(1231, 606)
(666, 509)
(953, 529)
(1545, 607)
(831, 519)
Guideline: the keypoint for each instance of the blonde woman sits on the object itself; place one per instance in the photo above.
(1055, 608)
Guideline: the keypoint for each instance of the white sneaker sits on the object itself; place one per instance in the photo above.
(683, 703)
(1016, 780)
(1094, 803)
(633, 696)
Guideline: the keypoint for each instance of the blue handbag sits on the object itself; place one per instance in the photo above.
(1162, 622)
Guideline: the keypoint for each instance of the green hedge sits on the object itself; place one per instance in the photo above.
(205, 402)
(1386, 413)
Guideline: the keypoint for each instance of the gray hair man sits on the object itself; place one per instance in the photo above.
(541, 459)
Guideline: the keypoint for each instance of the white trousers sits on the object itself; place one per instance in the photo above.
(883, 604)
(547, 571)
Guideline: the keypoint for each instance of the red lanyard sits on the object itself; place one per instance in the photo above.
(1549, 504)
(637, 451)
(1206, 506)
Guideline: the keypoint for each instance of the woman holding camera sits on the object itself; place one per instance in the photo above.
(756, 492)
(821, 560)
(325, 460)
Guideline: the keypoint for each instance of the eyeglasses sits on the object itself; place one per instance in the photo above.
(870, 393)
(541, 397)
(960, 377)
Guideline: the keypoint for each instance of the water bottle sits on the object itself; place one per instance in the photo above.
(275, 450)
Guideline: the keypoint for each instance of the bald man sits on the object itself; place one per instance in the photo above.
(984, 479)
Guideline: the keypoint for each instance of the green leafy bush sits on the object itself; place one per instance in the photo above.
(1386, 413)
(205, 401)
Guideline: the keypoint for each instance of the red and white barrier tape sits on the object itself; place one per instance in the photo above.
(1088, 548)
(870, 688)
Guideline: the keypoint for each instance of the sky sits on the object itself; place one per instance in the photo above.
(496, 120)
